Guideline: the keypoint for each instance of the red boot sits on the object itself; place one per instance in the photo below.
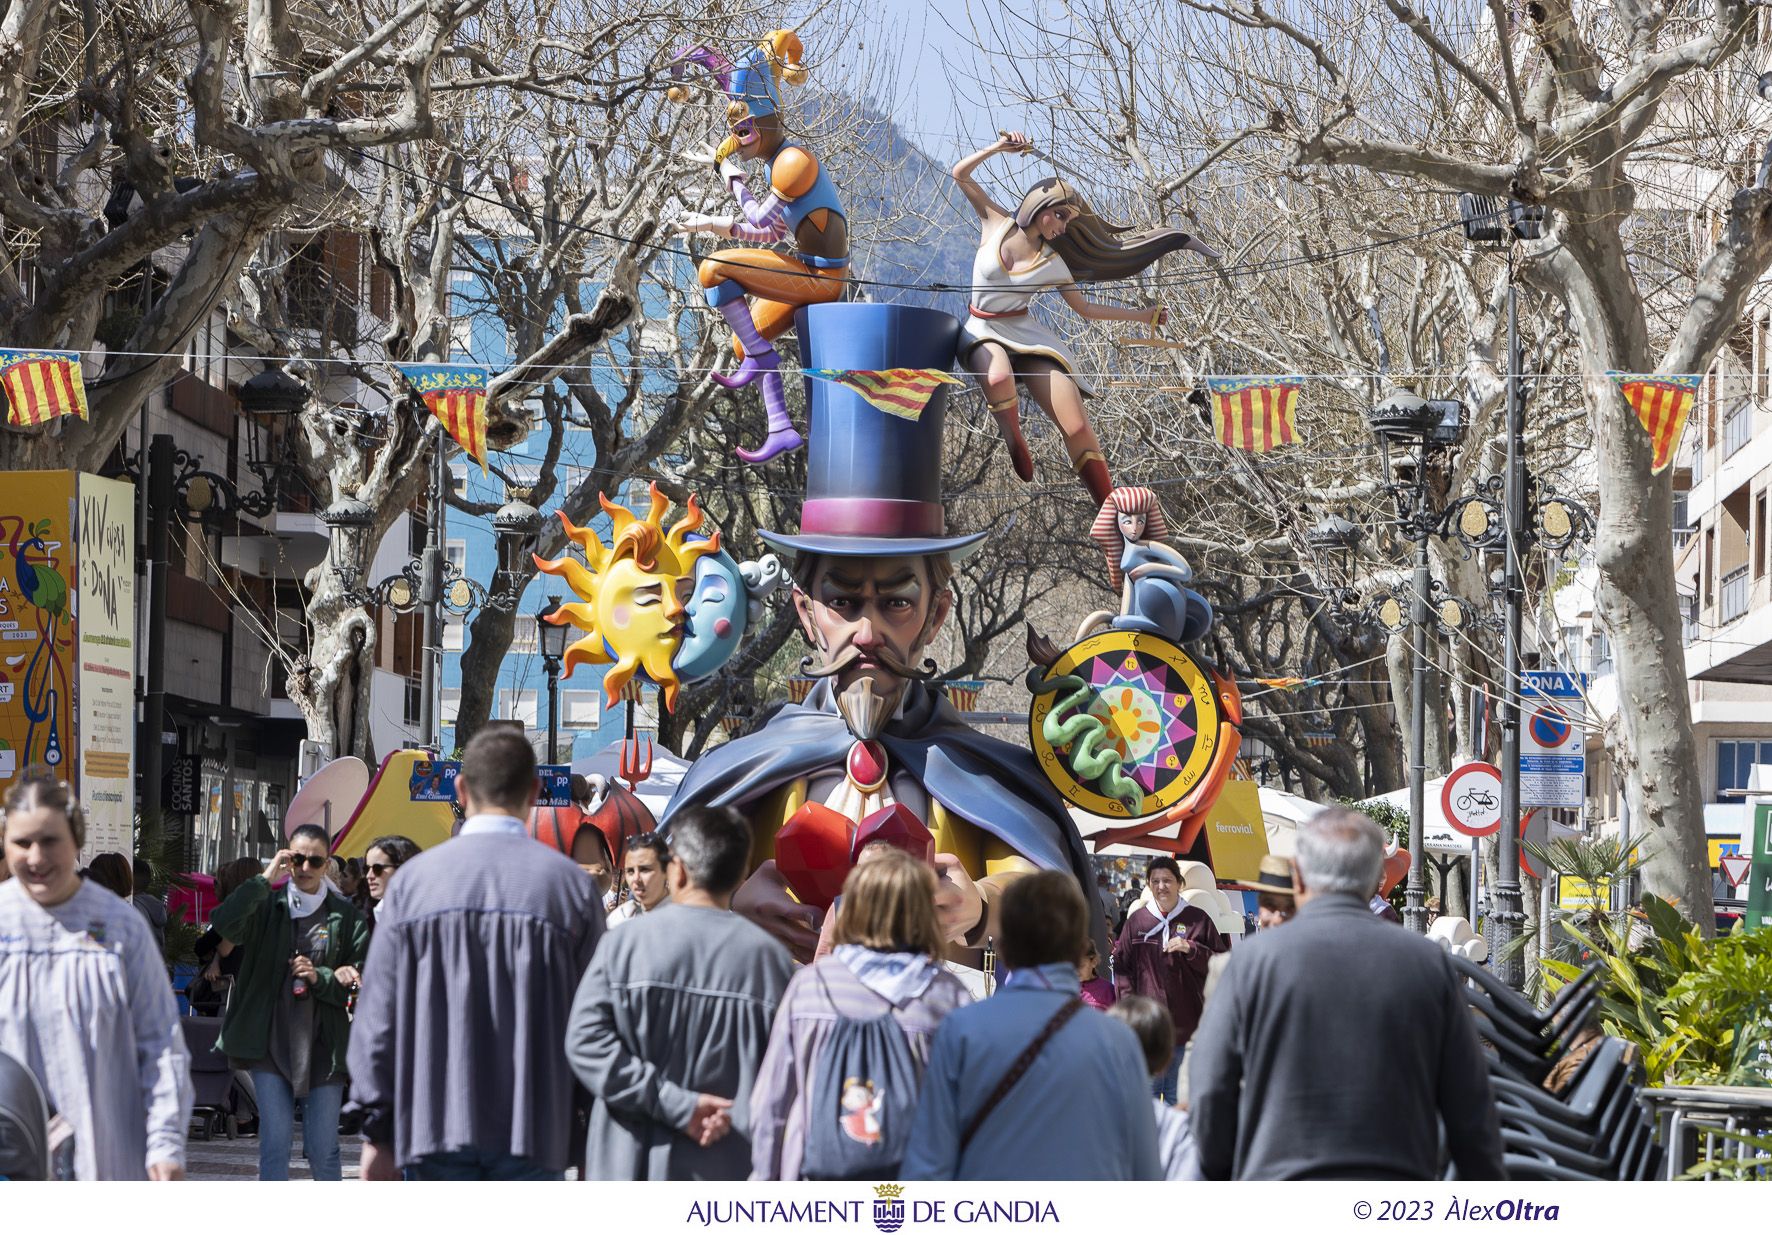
(1008, 417)
(1092, 470)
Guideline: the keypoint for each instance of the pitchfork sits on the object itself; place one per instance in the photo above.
(632, 765)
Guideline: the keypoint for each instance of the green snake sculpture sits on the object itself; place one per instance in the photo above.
(1093, 758)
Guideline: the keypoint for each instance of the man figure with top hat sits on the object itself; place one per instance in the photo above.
(872, 566)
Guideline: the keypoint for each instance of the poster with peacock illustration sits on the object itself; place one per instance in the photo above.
(37, 634)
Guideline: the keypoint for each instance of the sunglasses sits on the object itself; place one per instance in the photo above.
(297, 861)
(378, 869)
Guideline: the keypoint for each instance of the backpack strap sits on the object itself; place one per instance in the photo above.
(1019, 1068)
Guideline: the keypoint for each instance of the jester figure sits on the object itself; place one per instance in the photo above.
(800, 204)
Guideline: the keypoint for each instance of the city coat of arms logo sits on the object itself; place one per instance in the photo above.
(888, 1207)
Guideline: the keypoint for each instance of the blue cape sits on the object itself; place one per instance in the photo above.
(989, 783)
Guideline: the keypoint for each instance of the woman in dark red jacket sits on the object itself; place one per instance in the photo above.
(1163, 954)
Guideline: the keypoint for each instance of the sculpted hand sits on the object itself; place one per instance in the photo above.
(159, 1171)
(710, 1120)
(701, 158)
(731, 169)
(958, 903)
(692, 223)
(765, 900)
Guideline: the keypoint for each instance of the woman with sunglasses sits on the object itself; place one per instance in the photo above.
(286, 1023)
(385, 856)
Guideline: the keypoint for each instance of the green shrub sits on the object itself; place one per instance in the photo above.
(1698, 1009)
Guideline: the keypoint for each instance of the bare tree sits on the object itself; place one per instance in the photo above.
(1585, 112)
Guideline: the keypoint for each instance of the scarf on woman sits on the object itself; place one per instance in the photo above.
(301, 904)
(1163, 919)
(896, 977)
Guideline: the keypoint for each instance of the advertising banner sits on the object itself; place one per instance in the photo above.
(104, 682)
(1759, 872)
(37, 638)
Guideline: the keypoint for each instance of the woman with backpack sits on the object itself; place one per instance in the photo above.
(839, 1083)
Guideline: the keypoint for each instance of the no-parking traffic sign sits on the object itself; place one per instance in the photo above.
(1471, 799)
(1553, 761)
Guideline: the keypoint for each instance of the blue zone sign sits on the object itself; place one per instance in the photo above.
(1553, 760)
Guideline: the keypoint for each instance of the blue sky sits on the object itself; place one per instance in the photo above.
(939, 119)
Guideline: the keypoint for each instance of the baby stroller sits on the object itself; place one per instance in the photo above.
(24, 1123)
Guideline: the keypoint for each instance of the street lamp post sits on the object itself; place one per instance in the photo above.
(1425, 426)
(176, 479)
(431, 581)
(552, 640)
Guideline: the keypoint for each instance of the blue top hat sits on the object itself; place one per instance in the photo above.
(873, 480)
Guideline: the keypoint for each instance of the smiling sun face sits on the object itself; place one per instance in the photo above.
(629, 605)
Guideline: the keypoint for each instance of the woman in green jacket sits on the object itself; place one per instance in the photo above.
(286, 1022)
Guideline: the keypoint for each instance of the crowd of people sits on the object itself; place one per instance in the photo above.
(461, 1015)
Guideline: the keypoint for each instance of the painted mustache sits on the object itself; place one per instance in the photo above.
(851, 654)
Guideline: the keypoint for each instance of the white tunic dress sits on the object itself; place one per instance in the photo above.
(996, 290)
(85, 1004)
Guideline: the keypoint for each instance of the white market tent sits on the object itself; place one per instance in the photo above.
(655, 791)
(1438, 836)
(1281, 813)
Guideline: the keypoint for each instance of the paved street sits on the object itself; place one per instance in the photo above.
(222, 1158)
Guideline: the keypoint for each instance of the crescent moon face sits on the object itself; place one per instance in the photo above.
(715, 617)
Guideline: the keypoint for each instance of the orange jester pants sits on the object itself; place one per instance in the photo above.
(777, 284)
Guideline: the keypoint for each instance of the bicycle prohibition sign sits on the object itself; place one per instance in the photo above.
(1471, 799)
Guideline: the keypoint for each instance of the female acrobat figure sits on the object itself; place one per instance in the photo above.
(801, 203)
(1048, 242)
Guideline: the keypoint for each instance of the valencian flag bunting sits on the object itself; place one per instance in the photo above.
(456, 395)
(1661, 402)
(898, 392)
(1254, 413)
(41, 386)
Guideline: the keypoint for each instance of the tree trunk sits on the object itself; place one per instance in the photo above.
(1657, 754)
(332, 685)
(489, 638)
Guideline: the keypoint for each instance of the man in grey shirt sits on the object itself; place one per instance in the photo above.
(455, 1056)
(672, 1019)
(1340, 1047)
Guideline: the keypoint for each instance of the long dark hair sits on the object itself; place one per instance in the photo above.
(1094, 249)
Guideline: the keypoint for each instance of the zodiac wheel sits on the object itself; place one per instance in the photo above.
(1157, 711)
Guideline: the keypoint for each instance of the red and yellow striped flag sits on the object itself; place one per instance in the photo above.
(1255, 413)
(456, 395)
(1661, 402)
(898, 392)
(41, 386)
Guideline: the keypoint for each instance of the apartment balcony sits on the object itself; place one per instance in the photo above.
(1734, 595)
(1738, 427)
(1730, 640)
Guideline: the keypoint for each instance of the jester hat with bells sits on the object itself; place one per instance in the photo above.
(750, 84)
